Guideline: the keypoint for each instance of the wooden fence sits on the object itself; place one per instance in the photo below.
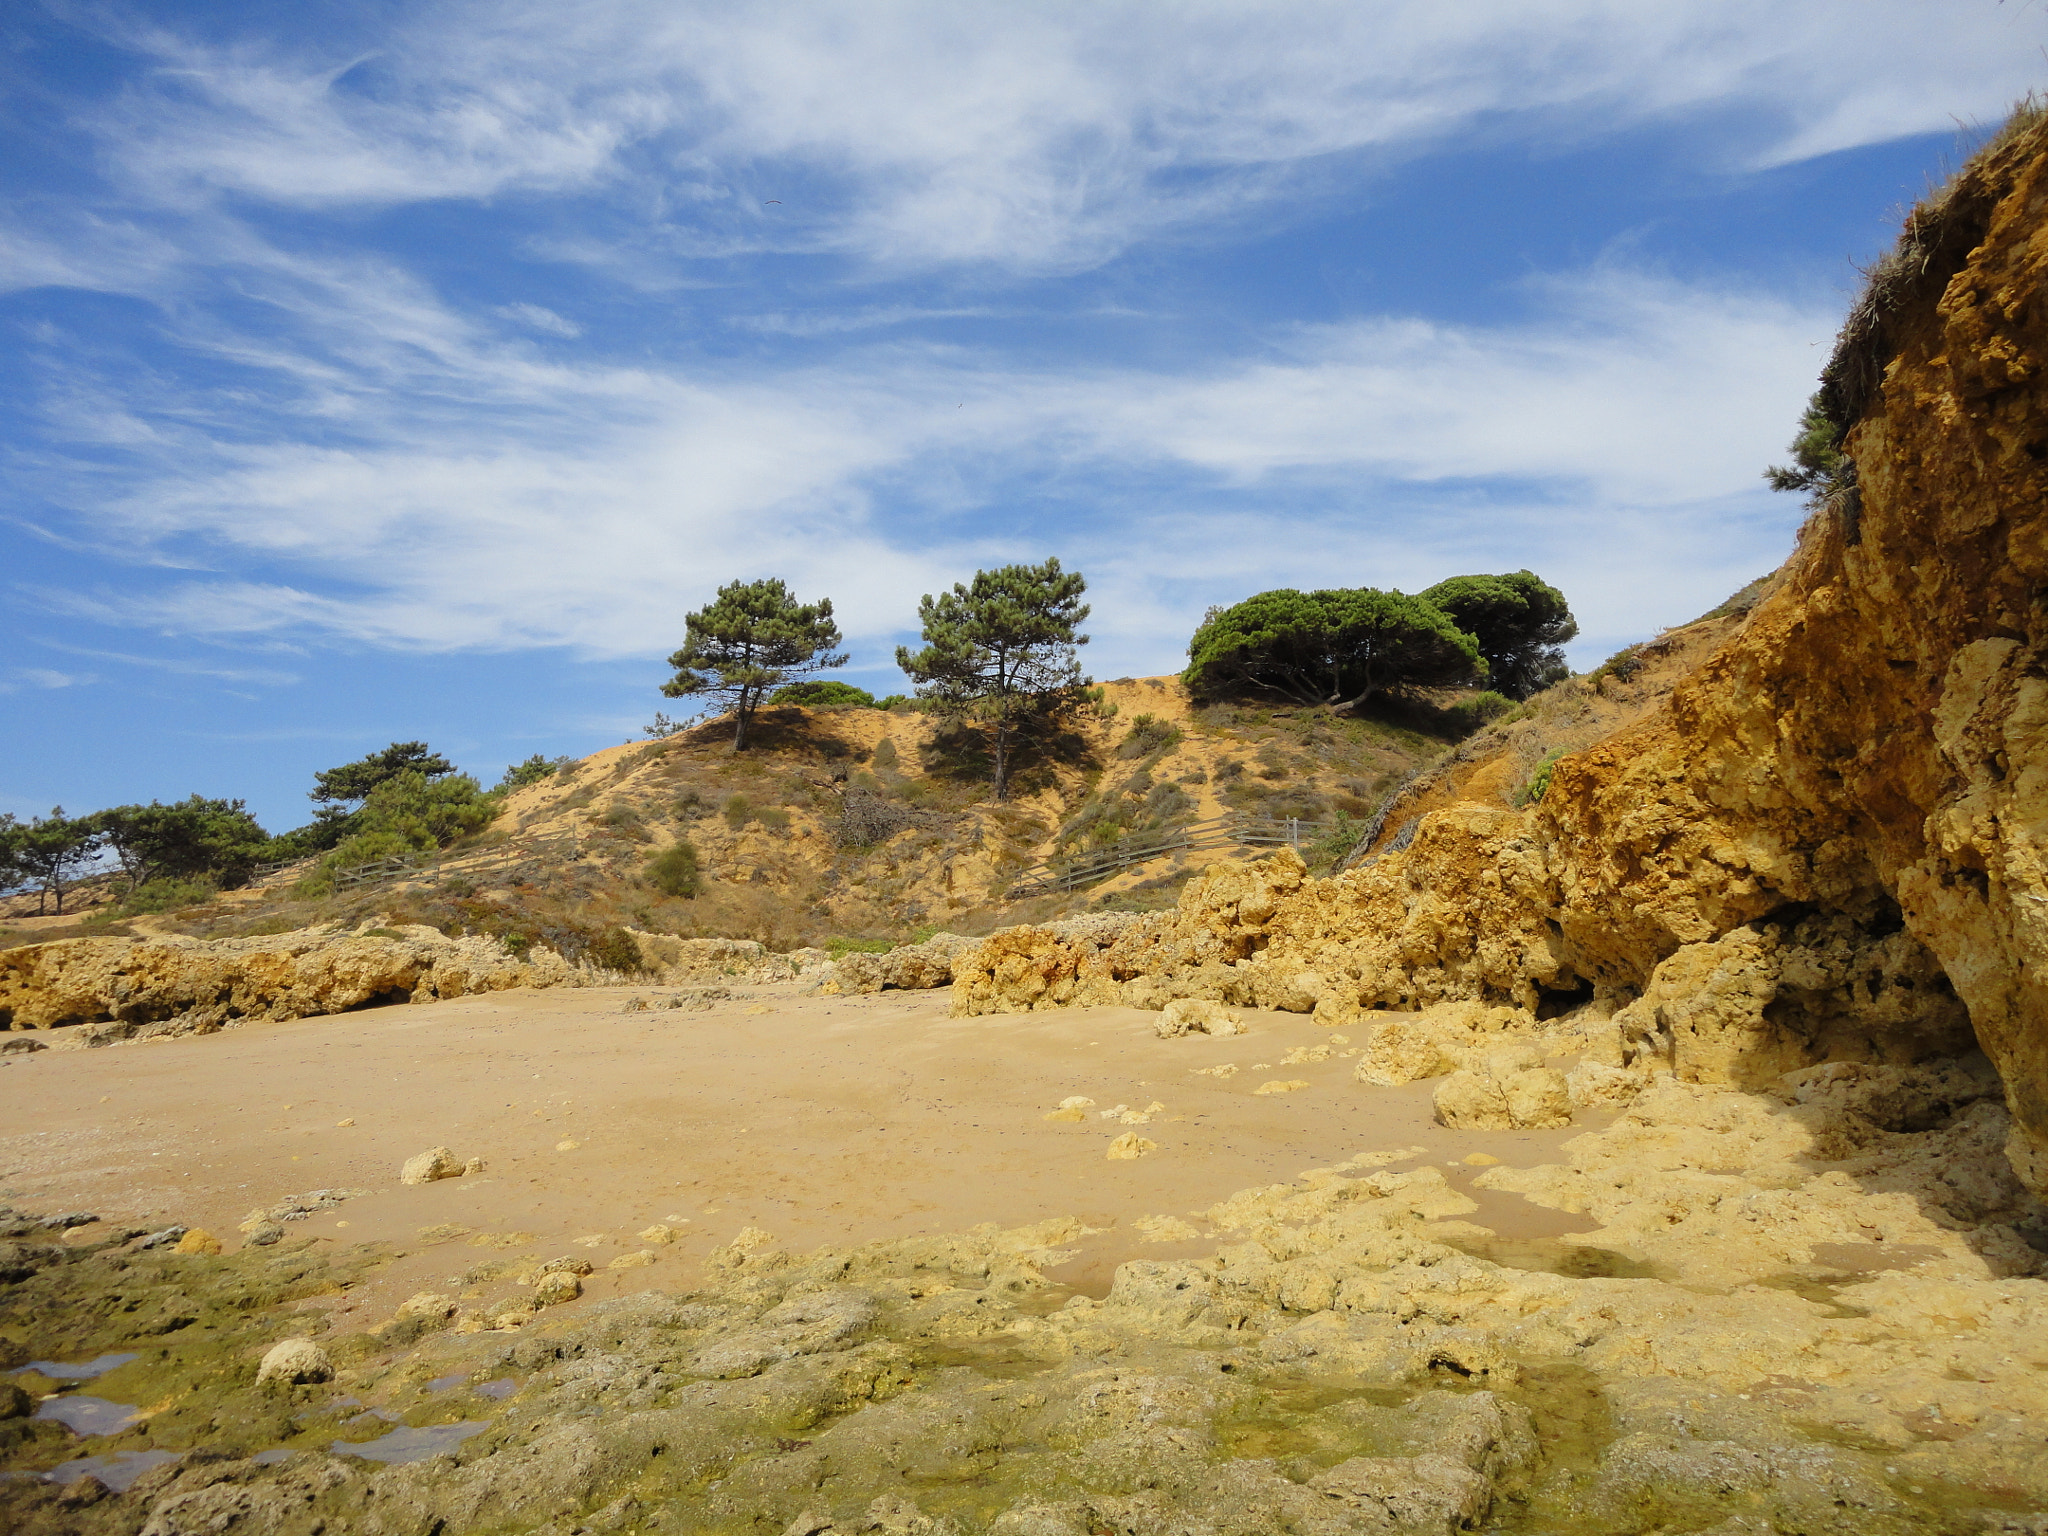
(1081, 869)
(468, 862)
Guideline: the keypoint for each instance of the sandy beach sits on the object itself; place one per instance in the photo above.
(819, 1120)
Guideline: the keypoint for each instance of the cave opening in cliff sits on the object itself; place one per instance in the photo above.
(1556, 1002)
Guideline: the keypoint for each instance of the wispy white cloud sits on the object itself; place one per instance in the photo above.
(15, 679)
(589, 505)
(920, 131)
(375, 463)
(848, 321)
(267, 676)
(539, 318)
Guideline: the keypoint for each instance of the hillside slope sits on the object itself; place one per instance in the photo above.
(854, 822)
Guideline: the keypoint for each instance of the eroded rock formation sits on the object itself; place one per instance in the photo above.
(119, 989)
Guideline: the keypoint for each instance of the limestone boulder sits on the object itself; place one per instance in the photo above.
(1505, 1090)
(1407, 1047)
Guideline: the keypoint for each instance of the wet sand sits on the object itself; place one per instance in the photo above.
(819, 1120)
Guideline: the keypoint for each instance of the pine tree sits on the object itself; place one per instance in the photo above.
(1520, 622)
(1337, 647)
(754, 637)
(997, 647)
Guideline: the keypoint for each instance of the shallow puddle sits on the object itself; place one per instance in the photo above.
(497, 1390)
(118, 1471)
(405, 1444)
(57, 1370)
(89, 1415)
(1550, 1256)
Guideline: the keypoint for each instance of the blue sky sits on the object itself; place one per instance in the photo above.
(380, 371)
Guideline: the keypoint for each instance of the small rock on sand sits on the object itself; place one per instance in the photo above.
(198, 1240)
(567, 1145)
(1128, 1146)
(1281, 1085)
(553, 1289)
(1196, 1016)
(1072, 1109)
(661, 1234)
(639, 1260)
(436, 1163)
(296, 1361)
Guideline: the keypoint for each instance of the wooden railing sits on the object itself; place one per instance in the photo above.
(1081, 869)
(473, 861)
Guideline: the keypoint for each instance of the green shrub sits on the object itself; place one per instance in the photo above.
(837, 947)
(624, 820)
(165, 895)
(674, 871)
(1539, 781)
(897, 701)
(532, 771)
(823, 693)
(1465, 716)
(615, 950)
(1148, 734)
(1622, 665)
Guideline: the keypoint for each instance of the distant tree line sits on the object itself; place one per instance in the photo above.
(406, 798)
(1001, 650)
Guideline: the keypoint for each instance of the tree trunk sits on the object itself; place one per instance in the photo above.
(739, 729)
(1002, 755)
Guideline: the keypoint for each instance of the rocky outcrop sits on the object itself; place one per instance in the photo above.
(120, 989)
(907, 966)
(1826, 845)
(671, 959)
